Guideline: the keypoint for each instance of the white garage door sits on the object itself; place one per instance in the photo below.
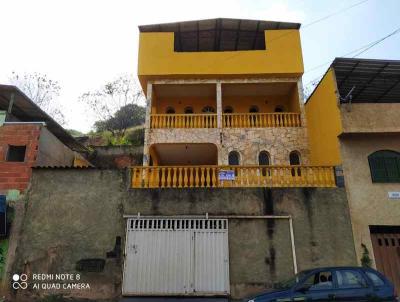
(176, 256)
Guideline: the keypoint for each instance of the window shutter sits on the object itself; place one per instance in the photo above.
(385, 166)
(378, 171)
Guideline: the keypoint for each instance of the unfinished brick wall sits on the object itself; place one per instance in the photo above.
(16, 175)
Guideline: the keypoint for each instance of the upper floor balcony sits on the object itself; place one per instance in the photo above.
(227, 105)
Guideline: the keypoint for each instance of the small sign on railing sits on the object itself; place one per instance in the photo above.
(226, 175)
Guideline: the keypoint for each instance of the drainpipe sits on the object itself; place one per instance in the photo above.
(207, 216)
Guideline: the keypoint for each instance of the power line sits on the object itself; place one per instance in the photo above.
(322, 19)
(360, 50)
(335, 13)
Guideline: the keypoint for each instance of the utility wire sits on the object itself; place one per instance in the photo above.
(322, 19)
(360, 50)
(334, 14)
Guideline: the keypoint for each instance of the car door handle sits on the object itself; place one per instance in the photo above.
(331, 296)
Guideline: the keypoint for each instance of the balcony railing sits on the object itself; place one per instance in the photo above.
(244, 176)
(261, 120)
(229, 120)
(183, 120)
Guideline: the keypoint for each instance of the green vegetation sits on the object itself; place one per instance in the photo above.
(365, 259)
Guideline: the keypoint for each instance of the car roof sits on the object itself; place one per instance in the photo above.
(334, 268)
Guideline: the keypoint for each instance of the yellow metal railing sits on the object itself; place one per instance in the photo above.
(183, 120)
(261, 120)
(245, 176)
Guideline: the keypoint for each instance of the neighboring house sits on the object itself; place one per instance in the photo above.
(29, 137)
(353, 121)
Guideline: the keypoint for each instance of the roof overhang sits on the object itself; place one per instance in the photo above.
(367, 80)
(26, 110)
(221, 34)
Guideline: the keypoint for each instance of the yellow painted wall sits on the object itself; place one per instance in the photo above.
(265, 104)
(240, 104)
(157, 59)
(324, 123)
(179, 104)
(293, 101)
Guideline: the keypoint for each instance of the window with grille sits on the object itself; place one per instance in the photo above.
(385, 166)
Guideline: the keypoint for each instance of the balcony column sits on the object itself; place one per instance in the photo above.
(146, 146)
(219, 105)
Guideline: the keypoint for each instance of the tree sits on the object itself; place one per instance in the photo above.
(42, 91)
(115, 105)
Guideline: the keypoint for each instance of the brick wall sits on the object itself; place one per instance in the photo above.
(16, 175)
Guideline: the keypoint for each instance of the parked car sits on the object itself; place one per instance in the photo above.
(332, 284)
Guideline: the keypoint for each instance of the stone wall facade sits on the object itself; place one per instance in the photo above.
(278, 142)
(249, 142)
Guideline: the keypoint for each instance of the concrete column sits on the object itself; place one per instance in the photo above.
(147, 124)
(219, 105)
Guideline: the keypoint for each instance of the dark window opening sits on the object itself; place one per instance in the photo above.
(233, 158)
(208, 109)
(279, 109)
(294, 159)
(263, 160)
(254, 109)
(385, 166)
(228, 109)
(170, 110)
(189, 110)
(16, 153)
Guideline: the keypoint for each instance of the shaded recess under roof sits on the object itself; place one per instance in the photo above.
(374, 81)
(27, 111)
(218, 34)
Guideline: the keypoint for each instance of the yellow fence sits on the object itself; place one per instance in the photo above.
(183, 120)
(245, 176)
(261, 120)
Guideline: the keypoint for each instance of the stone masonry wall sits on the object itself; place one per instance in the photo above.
(278, 142)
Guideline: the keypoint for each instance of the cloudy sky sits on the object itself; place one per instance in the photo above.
(83, 43)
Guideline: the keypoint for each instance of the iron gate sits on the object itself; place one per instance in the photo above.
(176, 256)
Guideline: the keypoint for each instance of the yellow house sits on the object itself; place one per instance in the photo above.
(353, 121)
(224, 106)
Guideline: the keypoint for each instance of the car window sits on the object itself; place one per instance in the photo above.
(319, 281)
(376, 280)
(350, 279)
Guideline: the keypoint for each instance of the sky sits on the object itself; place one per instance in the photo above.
(82, 44)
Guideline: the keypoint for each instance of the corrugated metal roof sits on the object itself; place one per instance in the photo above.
(221, 34)
(27, 111)
(374, 81)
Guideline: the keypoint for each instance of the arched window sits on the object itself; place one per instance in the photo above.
(208, 109)
(263, 160)
(385, 166)
(228, 109)
(233, 158)
(279, 109)
(188, 110)
(254, 109)
(294, 159)
(170, 110)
